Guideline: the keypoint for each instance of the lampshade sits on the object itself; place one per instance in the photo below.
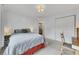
(31, 28)
(7, 30)
(40, 8)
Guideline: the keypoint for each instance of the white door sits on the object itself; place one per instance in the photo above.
(65, 25)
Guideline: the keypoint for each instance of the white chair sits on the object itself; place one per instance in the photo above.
(65, 45)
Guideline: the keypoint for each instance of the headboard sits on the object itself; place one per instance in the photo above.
(22, 30)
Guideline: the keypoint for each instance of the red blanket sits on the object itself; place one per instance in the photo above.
(34, 49)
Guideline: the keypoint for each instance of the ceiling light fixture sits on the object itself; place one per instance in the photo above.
(40, 8)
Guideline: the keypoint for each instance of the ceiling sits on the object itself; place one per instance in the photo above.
(50, 9)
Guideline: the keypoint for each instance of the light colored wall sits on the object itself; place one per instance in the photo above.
(77, 20)
(1, 26)
(49, 23)
(17, 21)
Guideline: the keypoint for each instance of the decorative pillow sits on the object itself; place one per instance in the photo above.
(22, 30)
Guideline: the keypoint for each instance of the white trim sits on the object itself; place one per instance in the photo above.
(75, 47)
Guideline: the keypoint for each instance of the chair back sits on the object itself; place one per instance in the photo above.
(62, 38)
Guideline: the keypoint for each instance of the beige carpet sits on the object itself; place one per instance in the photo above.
(53, 48)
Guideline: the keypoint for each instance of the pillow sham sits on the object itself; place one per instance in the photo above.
(22, 30)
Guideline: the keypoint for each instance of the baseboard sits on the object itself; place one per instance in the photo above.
(57, 40)
(75, 47)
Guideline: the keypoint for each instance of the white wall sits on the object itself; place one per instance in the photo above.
(77, 20)
(17, 21)
(49, 23)
(1, 27)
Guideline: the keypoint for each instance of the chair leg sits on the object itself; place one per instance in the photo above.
(76, 52)
(61, 50)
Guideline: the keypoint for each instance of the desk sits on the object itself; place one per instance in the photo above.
(75, 45)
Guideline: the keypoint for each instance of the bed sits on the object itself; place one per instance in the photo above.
(24, 43)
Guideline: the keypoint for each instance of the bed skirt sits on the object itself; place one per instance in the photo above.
(34, 49)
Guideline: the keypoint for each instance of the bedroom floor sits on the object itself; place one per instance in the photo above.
(52, 48)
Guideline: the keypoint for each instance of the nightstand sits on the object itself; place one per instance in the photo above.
(6, 40)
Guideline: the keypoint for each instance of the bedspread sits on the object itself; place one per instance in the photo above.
(22, 42)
